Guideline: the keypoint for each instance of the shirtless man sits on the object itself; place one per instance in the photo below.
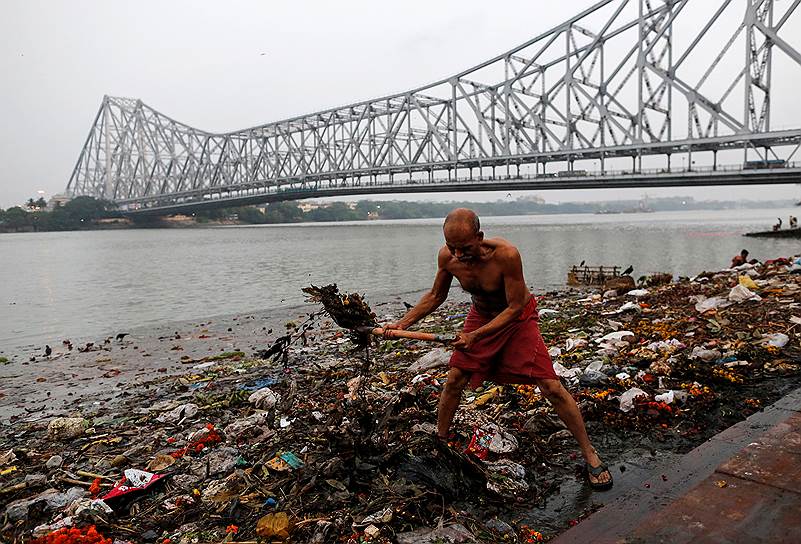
(501, 340)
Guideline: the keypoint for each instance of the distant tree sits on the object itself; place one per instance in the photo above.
(16, 218)
(283, 212)
(83, 210)
(41, 203)
(252, 215)
(336, 211)
(31, 204)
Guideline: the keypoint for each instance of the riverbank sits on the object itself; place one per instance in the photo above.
(308, 439)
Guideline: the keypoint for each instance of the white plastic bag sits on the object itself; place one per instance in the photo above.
(627, 398)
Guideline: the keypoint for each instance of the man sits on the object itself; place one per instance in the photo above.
(501, 339)
(740, 259)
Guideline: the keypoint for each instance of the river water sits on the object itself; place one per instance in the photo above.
(77, 284)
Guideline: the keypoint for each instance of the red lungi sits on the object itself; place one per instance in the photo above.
(515, 354)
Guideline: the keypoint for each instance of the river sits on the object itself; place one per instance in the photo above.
(77, 284)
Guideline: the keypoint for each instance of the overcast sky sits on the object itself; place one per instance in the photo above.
(222, 66)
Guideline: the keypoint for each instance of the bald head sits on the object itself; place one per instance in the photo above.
(462, 220)
(463, 234)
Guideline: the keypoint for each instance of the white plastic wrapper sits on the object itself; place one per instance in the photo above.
(627, 398)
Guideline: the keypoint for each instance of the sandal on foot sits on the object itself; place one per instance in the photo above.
(596, 472)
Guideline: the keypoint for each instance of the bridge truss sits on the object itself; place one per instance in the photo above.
(582, 105)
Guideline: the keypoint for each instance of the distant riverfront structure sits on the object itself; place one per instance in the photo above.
(607, 99)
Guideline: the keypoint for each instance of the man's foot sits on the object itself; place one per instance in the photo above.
(453, 440)
(598, 475)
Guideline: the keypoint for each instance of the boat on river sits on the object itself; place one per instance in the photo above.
(781, 233)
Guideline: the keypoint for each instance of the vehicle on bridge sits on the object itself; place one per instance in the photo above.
(762, 164)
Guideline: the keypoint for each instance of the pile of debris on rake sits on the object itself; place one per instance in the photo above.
(327, 436)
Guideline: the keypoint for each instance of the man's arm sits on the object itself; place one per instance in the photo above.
(517, 296)
(433, 298)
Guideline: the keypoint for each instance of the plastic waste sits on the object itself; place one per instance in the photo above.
(668, 397)
(574, 343)
(264, 398)
(435, 358)
(380, 517)
(594, 366)
(592, 377)
(506, 478)
(704, 354)
(777, 340)
(630, 307)
(479, 443)
(566, 373)
(502, 441)
(627, 398)
(638, 293)
(665, 346)
(747, 282)
(741, 293)
(133, 481)
(712, 303)
(616, 336)
(184, 411)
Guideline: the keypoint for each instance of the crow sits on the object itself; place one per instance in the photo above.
(121, 335)
(48, 351)
(628, 271)
(408, 306)
(581, 264)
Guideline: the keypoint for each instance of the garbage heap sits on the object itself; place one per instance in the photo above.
(310, 443)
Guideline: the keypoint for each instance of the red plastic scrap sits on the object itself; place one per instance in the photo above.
(142, 480)
(479, 444)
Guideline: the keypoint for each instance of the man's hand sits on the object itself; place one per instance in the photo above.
(394, 326)
(464, 341)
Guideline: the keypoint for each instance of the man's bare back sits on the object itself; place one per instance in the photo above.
(483, 277)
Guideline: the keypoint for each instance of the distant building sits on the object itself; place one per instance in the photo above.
(537, 199)
(57, 200)
(306, 207)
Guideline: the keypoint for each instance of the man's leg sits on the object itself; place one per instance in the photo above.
(568, 411)
(449, 400)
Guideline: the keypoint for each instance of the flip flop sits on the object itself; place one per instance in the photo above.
(596, 472)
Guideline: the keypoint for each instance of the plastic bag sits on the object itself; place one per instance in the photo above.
(627, 398)
(741, 293)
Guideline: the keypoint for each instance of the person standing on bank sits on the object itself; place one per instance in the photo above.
(501, 341)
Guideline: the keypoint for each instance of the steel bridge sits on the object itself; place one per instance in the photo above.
(628, 93)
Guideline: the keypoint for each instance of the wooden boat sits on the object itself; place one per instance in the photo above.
(591, 275)
(781, 233)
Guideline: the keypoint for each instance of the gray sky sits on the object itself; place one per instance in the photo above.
(222, 66)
